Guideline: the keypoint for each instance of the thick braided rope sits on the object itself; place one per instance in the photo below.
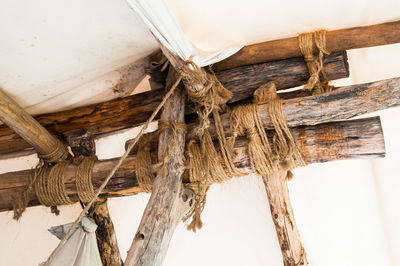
(83, 178)
(50, 189)
(112, 172)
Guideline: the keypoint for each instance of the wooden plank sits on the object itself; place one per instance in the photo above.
(358, 139)
(134, 110)
(27, 127)
(337, 40)
(164, 209)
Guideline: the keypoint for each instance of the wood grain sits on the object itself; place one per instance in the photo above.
(337, 40)
(164, 209)
(26, 126)
(292, 249)
(354, 139)
(107, 117)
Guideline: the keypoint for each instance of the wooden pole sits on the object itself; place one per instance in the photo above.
(27, 127)
(134, 110)
(293, 252)
(343, 103)
(82, 144)
(165, 207)
(337, 40)
(354, 139)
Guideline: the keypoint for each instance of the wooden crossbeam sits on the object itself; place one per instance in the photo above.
(361, 139)
(337, 40)
(134, 110)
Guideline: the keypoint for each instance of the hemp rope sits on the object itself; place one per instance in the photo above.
(144, 168)
(318, 82)
(21, 201)
(112, 172)
(83, 177)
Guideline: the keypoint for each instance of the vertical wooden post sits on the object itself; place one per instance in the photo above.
(82, 143)
(282, 214)
(169, 201)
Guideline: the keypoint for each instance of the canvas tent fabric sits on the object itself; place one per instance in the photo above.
(81, 248)
(347, 212)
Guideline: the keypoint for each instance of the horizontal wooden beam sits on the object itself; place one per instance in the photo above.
(343, 103)
(337, 40)
(321, 143)
(131, 111)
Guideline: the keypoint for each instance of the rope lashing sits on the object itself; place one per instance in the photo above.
(318, 82)
(83, 177)
(112, 172)
(144, 170)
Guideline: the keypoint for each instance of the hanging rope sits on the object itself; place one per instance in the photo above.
(318, 82)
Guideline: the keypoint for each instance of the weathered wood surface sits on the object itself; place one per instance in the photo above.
(105, 234)
(26, 126)
(337, 40)
(343, 103)
(164, 209)
(362, 139)
(134, 110)
(293, 252)
(82, 144)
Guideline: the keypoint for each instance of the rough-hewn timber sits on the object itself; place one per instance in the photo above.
(343, 103)
(337, 40)
(282, 214)
(164, 209)
(321, 143)
(134, 110)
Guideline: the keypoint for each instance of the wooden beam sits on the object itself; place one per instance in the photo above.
(27, 127)
(343, 103)
(134, 110)
(293, 252)
(82, 144)
(337, 40)
(358, 139)
(164, 209)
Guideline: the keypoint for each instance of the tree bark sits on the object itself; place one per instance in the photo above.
(134, 110)
(337, 40)
(293, 252)
(354, 139)
(165, 207)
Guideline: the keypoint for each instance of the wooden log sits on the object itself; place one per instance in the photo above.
(358, 139)
(105, 234)
(293, 252)
(165, 207)
(134, 110)
(82, 144)
(337, 40)
(343, 103)
(26, 126)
